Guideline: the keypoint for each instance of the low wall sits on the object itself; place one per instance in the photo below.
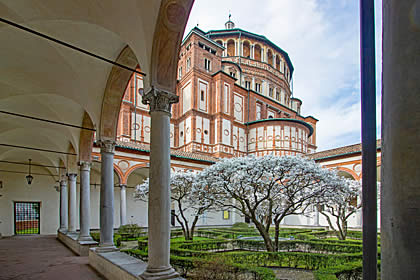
(81, 248)
(116, 265)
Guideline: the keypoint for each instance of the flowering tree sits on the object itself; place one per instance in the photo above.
(301, 182)
(338, 204)
(267, 189)
(187, 194)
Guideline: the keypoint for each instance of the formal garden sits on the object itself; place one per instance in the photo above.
(238, 252)
(264, 190)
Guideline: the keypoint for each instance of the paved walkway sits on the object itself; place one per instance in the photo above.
(41, 257)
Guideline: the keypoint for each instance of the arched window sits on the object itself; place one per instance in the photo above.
(278, 62)
(257, 52)
(270, 57)
(231, 48)
(246, 49)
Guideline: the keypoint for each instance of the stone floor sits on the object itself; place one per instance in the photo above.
(41, 257)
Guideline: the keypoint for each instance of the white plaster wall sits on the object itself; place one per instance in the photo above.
(15, 188)
(238, 108)
(202, 104)
(186, 98)
(181, 135)
(198, 128)
(206, 127)
(226, 132)
(252, 139)
(146, 128)
(172, 135)
(188, 130)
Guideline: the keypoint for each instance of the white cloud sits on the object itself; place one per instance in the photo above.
(322, 40)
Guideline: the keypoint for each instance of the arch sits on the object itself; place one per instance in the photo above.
(170, 26)
(348, 172)
(270, 57)
(114, 92)
(257, 52)
(86, 139)
(133, 168)
(120, 174)
(231, 48)
(278, 62)
(246, 49)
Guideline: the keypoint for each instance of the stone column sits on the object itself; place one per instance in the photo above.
(400, 191)
(123, 205)
(72, 202)
(64, 209)
(159, 213)
(85, 201)
(106, 203)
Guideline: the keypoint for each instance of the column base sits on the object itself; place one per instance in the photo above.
(106, 248)
(159, 274)
(85, 238)
(63, 230)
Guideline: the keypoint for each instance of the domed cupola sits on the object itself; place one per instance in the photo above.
(229, 24)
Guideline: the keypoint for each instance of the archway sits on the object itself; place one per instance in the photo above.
(231, 48)
(246, 49)
(257, 52)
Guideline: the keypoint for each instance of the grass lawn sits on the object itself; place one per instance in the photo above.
(28, 231)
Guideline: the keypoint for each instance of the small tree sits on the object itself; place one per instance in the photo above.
(302, 182)
(187, 194)
(338, 204)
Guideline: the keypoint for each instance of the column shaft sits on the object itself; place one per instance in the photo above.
(72, 202)
(400, 191)
(159, 190)
(107, 194)
(123, 205)
(64, 210)
(159, 194)
(85, 202)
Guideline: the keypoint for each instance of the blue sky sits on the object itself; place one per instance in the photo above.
(322, 40)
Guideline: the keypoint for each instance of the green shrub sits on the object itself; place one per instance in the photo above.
(240, 225)
(130, 231)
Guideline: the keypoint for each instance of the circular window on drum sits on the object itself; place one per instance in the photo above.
(226, 132)
(238, 107)
(136, 126)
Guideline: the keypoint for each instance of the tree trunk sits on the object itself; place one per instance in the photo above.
(193, 227)
(276, 236)
(265, 235)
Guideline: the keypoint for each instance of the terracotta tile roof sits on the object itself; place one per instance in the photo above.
(341, 151)
(175, 153)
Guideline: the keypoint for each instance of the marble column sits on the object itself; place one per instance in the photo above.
(400, 176)
(106, 203)
(64, 210)
(159, 212)
(84, 201)
(72, 202)
(123, 205)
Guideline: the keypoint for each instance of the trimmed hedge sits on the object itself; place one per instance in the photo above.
(312, 249)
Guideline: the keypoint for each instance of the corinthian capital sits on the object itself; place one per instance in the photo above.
(159, 100)
(107, 146)
(85, 165)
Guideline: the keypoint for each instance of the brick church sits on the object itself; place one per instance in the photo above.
(235, 99)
